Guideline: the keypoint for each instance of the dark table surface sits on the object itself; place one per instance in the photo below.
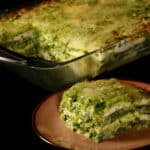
(19, 98)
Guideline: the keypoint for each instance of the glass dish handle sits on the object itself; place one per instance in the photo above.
(7, 56)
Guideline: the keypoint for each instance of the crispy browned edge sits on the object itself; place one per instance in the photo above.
(144, 27)
(24, 8)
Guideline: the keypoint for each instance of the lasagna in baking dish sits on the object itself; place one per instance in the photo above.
(66, 29)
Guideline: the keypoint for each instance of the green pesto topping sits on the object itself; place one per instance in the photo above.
(104, 108)
(63, 30)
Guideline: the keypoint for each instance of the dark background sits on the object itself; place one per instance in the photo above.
(19, 98)
(4, 4)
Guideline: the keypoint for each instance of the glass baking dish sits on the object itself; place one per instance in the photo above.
(53, 76)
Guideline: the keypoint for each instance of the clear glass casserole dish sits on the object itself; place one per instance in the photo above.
(53, 76)
(106, 43)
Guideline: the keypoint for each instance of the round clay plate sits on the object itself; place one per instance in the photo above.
(48, 126)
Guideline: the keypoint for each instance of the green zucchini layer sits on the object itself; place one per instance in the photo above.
(64, 30)
(104, 108)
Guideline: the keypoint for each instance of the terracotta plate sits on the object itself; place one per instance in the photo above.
(50, 128)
